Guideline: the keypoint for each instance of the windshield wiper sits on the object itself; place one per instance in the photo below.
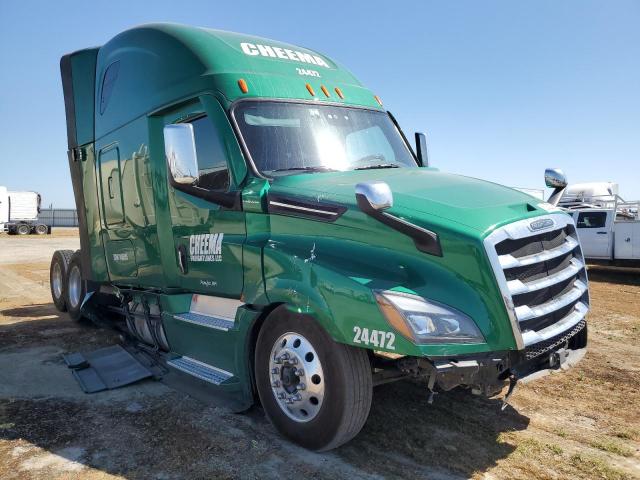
(379, 165)
(304, 169)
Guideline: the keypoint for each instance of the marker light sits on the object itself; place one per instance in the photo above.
(324, 90)
(339, 92)
(378, 99)
(310, 88)
(243, 85)
(425, 321)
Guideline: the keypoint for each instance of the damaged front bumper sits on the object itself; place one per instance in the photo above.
(489, 373)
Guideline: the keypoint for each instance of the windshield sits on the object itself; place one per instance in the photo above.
(285, 138)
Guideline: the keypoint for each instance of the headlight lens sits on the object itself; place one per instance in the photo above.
(427, 321)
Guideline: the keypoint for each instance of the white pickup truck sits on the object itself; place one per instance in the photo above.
(608, 226)
(19, 213)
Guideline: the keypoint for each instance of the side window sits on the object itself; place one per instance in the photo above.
(592, 219)
(212, 156)
(108, 81)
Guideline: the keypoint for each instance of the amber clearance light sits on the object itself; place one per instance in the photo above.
(310, 88)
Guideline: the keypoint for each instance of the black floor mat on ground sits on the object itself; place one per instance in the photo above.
(106, 368)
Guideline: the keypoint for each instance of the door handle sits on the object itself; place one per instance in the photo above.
(109, 185)
(182, 259)
(628, 239)
(602, 233)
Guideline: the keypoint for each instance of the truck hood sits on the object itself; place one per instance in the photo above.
(477, 204)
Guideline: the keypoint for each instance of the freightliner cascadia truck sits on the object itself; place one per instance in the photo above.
(251, 213)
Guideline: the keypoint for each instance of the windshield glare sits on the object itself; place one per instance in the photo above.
(285, 138)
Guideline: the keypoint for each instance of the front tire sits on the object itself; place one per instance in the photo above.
(75, 287)
(316, 392)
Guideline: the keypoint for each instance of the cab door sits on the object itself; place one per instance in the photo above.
(208, 234)
(115, 232)
(594, 231)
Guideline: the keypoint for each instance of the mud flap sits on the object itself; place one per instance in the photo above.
(106, 369)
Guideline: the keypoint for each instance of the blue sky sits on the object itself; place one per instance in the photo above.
(503, 89)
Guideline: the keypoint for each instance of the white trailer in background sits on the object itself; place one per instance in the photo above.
(608, 226)
(19, 213)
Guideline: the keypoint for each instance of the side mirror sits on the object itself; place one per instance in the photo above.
(555, 178)
(377, 194)
(421, 149)
(180, 149)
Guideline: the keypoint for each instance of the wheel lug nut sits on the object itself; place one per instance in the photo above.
(302, 386)
(284, 356)
(275, 370)
(281, 396)
(289, 400)
(294, 361)
(296, 398)
(276, 384)
(299, 372)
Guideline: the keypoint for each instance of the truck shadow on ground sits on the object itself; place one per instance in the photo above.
(166, 434)
(41, 324)
(456, 438)
(35, 312)
(458, 433)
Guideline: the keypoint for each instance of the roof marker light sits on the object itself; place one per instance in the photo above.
(378, 99)
(339, 92)
(310, 88)
(324, 90)
(243, 85)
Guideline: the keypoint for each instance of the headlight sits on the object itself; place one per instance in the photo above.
(426, 321)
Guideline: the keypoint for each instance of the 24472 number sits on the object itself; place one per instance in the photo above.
(377, 338)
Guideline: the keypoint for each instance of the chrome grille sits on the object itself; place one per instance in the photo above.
(542, 276)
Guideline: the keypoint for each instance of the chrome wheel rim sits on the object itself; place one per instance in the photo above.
(297, 379)
(75, 286)
(56, 280)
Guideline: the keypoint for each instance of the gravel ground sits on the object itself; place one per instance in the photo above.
(580, 424)
(36, 248)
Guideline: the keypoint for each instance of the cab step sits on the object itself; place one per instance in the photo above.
(200, 370)
(205, 320)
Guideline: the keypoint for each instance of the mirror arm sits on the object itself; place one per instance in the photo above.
(556, 195)
(425, 240)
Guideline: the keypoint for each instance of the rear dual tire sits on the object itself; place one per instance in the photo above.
(68, 288)
(58, 276)
(76, 287)
(334, 402)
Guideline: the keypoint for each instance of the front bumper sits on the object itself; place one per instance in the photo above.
(488, 374)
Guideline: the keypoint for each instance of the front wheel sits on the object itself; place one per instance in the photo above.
(315, 391)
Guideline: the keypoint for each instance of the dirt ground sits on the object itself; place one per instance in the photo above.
(584, 423)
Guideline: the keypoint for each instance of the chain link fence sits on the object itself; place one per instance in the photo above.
(59, 217)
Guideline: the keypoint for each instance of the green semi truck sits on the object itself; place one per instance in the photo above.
(253, 216)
